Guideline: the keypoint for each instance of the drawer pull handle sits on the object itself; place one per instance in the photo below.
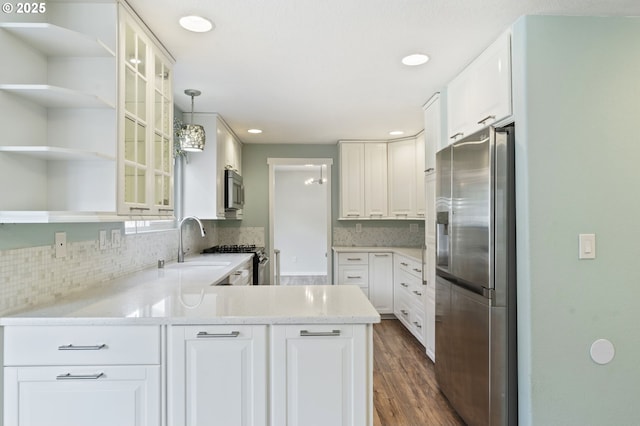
(381, 255)
(417, 270)
(487, 118)
(417, 293)
(204, 334)
(404, 264)
(353, 259)
(404, 312)
(456, 135)
(82, 348)
(405, 285)
(307, 333)
(70, 376)
(352, 277)
(417, 324)
(353, 214)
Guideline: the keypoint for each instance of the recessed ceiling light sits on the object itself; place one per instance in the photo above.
(396, 132)
(195, 23)
(415, 59)
(254, 131)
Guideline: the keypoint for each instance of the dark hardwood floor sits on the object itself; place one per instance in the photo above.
(405, 392)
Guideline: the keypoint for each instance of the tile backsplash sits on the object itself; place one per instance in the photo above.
(30, 276)
(378, 236)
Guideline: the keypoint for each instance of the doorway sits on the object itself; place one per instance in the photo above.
(300, 220)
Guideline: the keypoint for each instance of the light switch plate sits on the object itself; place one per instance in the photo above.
(103, 239)
(115, 238)
(61, 244)
(587, 246)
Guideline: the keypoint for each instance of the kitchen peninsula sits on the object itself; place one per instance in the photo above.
(168, 347)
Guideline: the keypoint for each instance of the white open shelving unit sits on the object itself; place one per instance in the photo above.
(58, 156)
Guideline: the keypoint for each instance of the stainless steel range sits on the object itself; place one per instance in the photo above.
(260, 258)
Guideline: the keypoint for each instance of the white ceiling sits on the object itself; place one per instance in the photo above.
(317, 71)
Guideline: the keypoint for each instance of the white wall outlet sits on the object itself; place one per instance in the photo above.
(358, 227)
(413, 227)
(61, 244)
(587, 246)
(115, 238)
(103, 239)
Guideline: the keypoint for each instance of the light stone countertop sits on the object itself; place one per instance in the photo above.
(186, 294)
(413, 252)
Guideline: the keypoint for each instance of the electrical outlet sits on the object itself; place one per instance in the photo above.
(103, 239)
(61, 244)
(115, 238)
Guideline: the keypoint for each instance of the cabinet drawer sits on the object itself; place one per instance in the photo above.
(410, 266)
(353, 258)
(81, 345)
(353, 275)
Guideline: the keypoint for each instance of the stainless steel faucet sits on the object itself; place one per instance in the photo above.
(180, 250)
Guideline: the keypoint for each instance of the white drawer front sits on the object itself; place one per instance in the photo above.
(353, 258)
(353, 275)
(410, 266)
(81, 345)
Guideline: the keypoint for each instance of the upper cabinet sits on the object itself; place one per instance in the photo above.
(382, 180)
(145, 162)
(84, 128)
(481, 94)
(204, 171)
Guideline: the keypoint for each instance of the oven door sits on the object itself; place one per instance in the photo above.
(234, 191)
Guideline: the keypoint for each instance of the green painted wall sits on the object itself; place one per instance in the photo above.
(577, 109)
(15, 236)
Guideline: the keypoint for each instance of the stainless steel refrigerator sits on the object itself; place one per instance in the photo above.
(476, 365)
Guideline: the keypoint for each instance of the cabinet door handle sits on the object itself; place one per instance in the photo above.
(70, 376)
(307, 333)
(488, 117)
(353, 277)
(417, 293)
(204, 334)
(456, 135)
(82, 348)
(353, 214)
(142, 209)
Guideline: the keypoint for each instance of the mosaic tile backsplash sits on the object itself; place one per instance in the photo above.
(378, 236)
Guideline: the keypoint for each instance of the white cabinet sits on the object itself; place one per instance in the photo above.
(353, 269)
(419, 174)
(433, 140)
(145, 163)
(481, 94)
(381, 282)
(218, 375)
(363, 180)
(58, 101)
(204, 171)
(372, 272)
(81, 375)
(409, 295)
(320, 375)
(402, 178)
(375, 180)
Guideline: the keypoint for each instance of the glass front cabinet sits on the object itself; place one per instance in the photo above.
(145, 174)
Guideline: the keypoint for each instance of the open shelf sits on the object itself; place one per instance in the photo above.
(55, 153)
(53, 40)
(56, 97)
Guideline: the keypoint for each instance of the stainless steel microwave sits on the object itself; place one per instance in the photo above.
(233, 191)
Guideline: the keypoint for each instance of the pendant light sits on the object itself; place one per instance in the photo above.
(319, 181)
(191, 136)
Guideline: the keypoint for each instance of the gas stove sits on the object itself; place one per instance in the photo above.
(260, 258)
